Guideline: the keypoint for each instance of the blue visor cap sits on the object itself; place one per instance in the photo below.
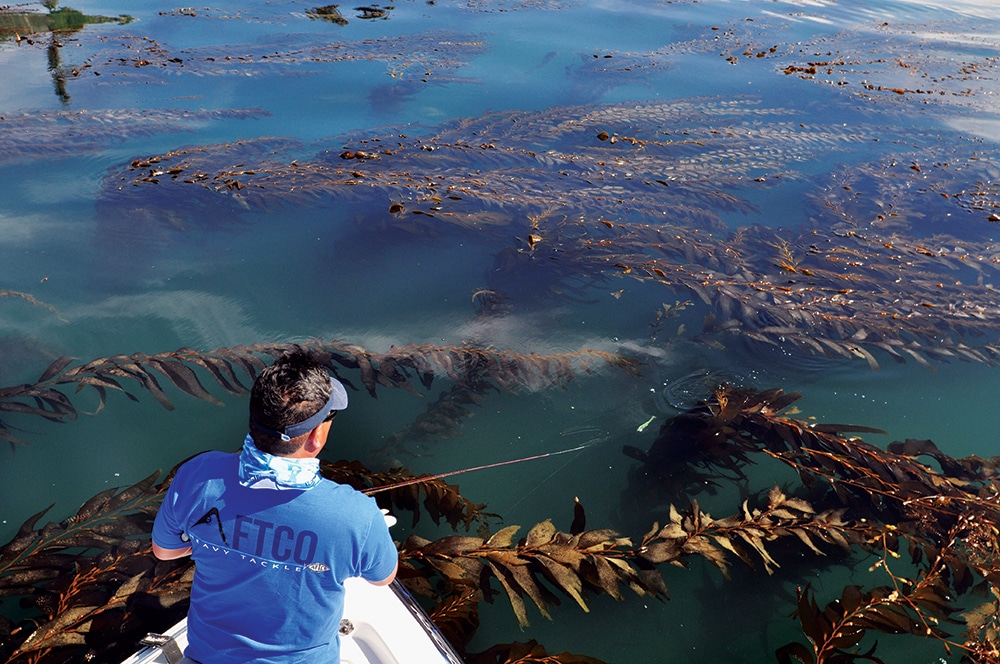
(336, 401)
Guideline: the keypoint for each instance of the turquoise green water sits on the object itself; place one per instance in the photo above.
(135, 267)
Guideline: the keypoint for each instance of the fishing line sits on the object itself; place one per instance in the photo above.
(556, 471)
(437, 476)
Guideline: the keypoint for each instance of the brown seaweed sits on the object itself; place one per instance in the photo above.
(937, 64)
(138, 58)
(232, 369)
(530, 652)
(945, 518)
(693, 156)
(886, 503)
(585, 188)
(931, 65)
(90, 576)
(395, 490)
(47, 134)
(442, 419)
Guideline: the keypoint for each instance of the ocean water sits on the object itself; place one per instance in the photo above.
(748, 125)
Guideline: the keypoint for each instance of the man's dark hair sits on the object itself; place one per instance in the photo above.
(289, 391)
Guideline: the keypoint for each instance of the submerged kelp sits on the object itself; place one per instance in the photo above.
(640, 191)
(91, 578)
(135, 58)
(944, 515)
(944, 63)
(874, 503)
(683, 161)
(585, 185)
(48, 134)
(233, 369)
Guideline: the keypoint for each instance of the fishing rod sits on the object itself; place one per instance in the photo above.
(428, 478)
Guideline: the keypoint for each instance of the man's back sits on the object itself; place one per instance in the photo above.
(270, 564)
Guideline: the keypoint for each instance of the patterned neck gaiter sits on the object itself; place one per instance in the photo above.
(260, 470)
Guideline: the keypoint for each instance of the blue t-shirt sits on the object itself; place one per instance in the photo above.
(269, 564)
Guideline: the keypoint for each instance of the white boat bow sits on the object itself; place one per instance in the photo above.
(381, 625)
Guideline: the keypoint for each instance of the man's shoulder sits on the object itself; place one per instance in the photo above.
(344, 495)
(344, 490)
(210, 462)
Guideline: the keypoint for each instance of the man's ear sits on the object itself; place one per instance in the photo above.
(317, 439)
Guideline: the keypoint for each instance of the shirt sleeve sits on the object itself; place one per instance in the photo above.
(167, 528)
(379, 556)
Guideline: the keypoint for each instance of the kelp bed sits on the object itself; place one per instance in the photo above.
(893, 258)
(927, 520)
(654, 191)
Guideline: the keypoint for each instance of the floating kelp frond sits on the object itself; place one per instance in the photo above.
(228, 368)
(519, 567)
(440, 499)
(108, 586)
(442, 419)
(941, 515)
(835, 630)
(111, 515)
(681, 160)
(944, 63)
(138, 58)
(946, 518)
(601, 561)
(719, 437)
(649, 208)
(44, 134)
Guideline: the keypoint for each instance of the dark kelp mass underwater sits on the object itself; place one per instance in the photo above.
(96, 588)
(895, 261)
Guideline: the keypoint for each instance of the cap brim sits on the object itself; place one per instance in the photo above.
(338, 395)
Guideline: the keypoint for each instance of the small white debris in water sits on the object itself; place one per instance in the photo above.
(642, 427)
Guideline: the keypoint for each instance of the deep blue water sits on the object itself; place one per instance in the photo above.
(147, 268)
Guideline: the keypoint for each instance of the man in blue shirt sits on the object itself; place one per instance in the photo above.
(273, 541)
